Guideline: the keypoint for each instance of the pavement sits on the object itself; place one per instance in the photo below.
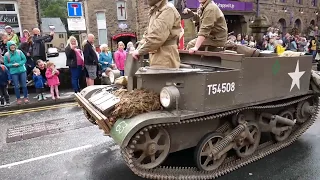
(65, 96)
(64, 145)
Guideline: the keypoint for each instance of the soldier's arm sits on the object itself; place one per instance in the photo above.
(158, 32)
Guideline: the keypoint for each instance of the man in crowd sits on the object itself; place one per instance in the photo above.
(161, 38)
(38, 48)
(90, 60)
(213, 27)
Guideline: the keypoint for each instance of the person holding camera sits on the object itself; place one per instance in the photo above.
(38, 47)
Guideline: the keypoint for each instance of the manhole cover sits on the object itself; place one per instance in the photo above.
(29, 131)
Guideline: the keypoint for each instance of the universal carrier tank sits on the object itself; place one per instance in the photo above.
(219, 103)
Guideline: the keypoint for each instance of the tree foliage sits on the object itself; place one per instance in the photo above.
(54, 8)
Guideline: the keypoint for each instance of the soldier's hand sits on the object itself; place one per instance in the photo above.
(186, 11)
(192, 50)
(135, 54)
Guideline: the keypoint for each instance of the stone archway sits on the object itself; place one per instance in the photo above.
(297, 24)
(282, 25)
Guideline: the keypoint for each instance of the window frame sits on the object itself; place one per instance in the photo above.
(104, 21)
(16, 12)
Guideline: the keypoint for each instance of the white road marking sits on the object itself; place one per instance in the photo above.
(45, 156)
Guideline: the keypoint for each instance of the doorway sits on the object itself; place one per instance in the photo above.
(235, 23)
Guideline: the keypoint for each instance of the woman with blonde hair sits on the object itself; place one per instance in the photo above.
(75, 61)
(130, 47)
(105, 57)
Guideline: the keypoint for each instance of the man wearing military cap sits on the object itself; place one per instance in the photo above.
(161, 37)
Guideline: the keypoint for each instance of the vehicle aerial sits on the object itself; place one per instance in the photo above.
(52, 52)
(218, 102)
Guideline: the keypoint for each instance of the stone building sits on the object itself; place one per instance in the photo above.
(19, 14)
(60, 37)
(111, 21)
(284, 14)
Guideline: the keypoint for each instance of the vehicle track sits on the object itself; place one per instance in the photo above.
(231, 163)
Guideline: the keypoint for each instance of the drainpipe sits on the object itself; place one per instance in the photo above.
(37, 4)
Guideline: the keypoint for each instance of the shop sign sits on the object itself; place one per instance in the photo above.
(224, 5)
(9, 19)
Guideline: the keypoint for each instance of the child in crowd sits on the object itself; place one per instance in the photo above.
(5, 79)
(120, 57)
(41, 65)
(52, 75)
(105, 57)
(39, 82)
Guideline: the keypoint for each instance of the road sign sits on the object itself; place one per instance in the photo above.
(75, 9)
(76, 24)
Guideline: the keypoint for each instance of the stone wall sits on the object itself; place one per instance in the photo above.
(28, 14)
(275, 12)
(109, 7)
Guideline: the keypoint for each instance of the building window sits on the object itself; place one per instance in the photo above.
(61, 36)
(283, 1)
(49, 45)
(7, 7)
(299, 1)
(102, 27)
(9, 15)
(314, 3)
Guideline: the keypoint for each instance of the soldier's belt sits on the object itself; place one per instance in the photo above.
(167, 43)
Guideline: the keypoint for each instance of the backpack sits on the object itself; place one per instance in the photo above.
(8, 55)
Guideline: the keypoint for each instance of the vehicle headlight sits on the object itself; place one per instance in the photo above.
(169, 96)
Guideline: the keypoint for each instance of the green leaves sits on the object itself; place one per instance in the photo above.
(54, 8)
(276, 67)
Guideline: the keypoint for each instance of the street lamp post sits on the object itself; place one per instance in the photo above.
(259, 26)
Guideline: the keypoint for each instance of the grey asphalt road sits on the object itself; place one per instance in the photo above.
(83, 153)
(59, 61)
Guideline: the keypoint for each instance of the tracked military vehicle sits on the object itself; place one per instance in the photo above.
(217, 102)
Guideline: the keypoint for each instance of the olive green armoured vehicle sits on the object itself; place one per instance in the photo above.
(217, 102)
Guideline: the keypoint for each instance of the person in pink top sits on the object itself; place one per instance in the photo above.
(75, 61)
(52, 75)
(26, 36)
(120, 57)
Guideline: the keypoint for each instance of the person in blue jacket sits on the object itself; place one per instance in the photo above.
(105, 57)
(15, 61)
(39, 82)
(5, 79)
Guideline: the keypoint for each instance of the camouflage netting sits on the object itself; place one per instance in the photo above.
(135, 102)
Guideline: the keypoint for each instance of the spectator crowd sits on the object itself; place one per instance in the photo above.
(274, 41)
(23, 61)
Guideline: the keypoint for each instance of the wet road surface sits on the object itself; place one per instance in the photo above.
(82, 152)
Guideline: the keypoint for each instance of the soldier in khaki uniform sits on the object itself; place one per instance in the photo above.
(213, 27)
(161, 38)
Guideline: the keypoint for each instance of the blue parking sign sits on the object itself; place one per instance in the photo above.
(74, 9)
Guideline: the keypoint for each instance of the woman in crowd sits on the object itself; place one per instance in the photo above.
(75, 62)
(26, 48)
(16, 60)
(130, 47)
(105, 57)
(26, 36)
(119, 57)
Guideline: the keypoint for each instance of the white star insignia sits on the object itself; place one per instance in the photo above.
(296, 75)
